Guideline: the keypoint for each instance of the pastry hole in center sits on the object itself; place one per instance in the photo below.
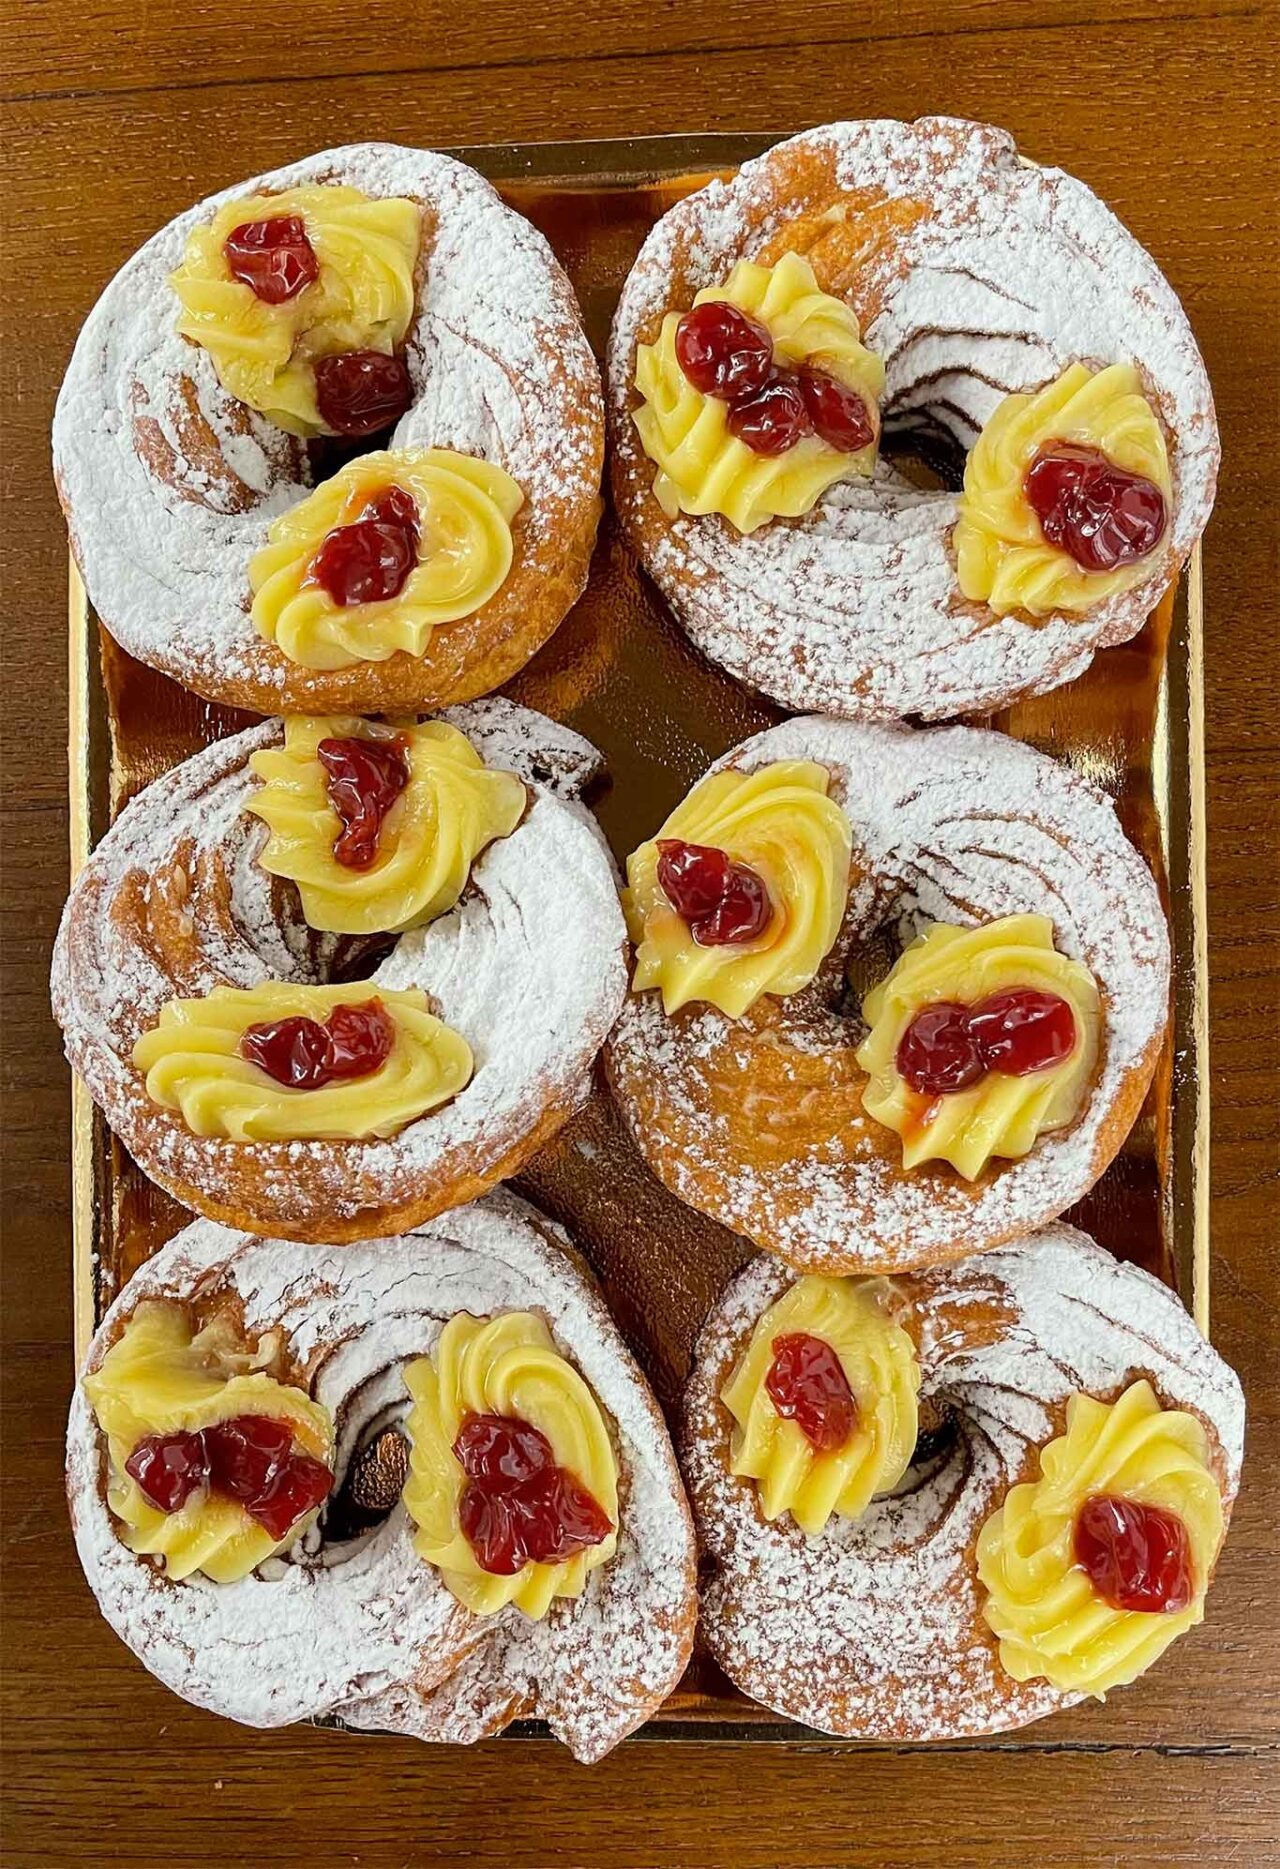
(371, 1485)
(921, 447)
(937, 1441)
(329, 454)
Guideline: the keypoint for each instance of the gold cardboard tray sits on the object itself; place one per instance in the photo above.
(620, 672)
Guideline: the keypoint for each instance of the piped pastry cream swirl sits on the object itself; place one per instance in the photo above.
(162, 1377)
(192, 1063)
(509, 1366)
(782, 823)
(701, 466)
(999, 1115)
(854, 1317)
(451, 809)
(464, 553)
(1051, 1621)
(362, 299)
(1002, 556)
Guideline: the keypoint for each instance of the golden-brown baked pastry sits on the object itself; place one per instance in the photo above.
(778, 1111)
(185, 439)
(967, 304)
(323, 1337)
(186, 948)
(972, 1593)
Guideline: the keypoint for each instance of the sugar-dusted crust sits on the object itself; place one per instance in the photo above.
(1011, 273)
(169, 484)
(760, 1122)
(365, 1629)
(873, 1629)
(530, 967)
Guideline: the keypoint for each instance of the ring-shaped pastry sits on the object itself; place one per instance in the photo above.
(975, 278)
(527, 969)
(349, 1619)
(171, 483)
(884, 1625)
(760, 1120)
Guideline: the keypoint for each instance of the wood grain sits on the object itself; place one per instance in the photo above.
(116, 119)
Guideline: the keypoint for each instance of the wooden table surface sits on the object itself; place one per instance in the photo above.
(117, 117)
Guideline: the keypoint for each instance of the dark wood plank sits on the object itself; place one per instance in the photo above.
(72, 49)
(1172, 116)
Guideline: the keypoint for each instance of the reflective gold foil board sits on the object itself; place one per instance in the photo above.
(621, 672)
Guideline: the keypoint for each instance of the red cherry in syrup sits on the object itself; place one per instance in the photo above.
(1022, 1031)
(246, 1453)
(249, 1458)
(518, 1505)
(775, 418)
(169, 1468)
(300, 1485)
(838, 413)
(491, 1524)
(938, 1052)
(723, 352)
(273, 258)
(1137, 1557)
(1101, 514)
(360, 391)
(726, 904)
(369, 561)
(252, 1460)
(562, 1518)
(501, 1449)
(303, 1054)
(364, 778)
(806, 1384)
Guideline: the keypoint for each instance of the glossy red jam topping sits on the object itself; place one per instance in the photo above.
(837, 412)
(948, 1046)
(518, 1506)
(361, 391)
(938, 1052)
(1135, 1556)
(726, 354)
(303, 1054)
(364, 778)
(1023, 1031)
(370, 560)
(1101, 514)
(775, 418)
(723, 352)
(168, 1469)
(806, 1384)
(250, 1458)
(273, 258)
(726, 904)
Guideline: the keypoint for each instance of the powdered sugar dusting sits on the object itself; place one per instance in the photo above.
(529, 967)
(1016, 272)
(949, 824)
(873, 1628)
(366, 1628)
(170, 484)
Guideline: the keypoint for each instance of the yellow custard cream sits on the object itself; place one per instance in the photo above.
(363, 298)
(998, 1115)
(506, 1365)
(1051, 1621)
(702, 468)
(452, 807)
(192, 1064)
(853, 1316)
(465, 509)
(780, 822)
(1002, 557)
(161, 1378)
